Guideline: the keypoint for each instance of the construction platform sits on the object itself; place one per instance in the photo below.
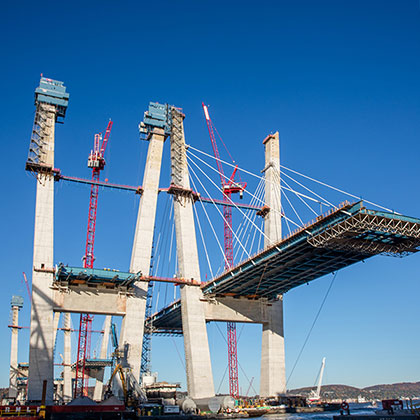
(65, 275)
(342, 237)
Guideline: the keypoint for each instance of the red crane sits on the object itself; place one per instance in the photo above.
(97, 162)
(27, 287)
(229, 187)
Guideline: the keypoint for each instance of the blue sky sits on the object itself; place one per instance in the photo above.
(338, 80)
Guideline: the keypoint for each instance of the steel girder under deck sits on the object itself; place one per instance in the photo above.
(336, 240)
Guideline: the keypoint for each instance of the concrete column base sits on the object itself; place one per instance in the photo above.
(273, 372)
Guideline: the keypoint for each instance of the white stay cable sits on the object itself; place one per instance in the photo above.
(288, 226)
(294, 210)
(259, 240)
(244, 225)
(230, 200)
(301, 199)
(172, 238)
(298, 173)
(252, 195)
(210, 223)
(215, 205)
(336, 189)
(202, 240)
(256, 176)
(308, 189)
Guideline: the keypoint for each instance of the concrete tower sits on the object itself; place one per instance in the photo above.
(51, 102)
(153, 126)
(67, 375)
(197, 354)
(273, 372)
(16, 304)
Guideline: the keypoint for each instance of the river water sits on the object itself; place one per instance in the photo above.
(326, 415)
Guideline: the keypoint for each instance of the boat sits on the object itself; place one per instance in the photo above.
(391, 410)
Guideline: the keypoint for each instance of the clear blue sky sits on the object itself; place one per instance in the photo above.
(339, 80)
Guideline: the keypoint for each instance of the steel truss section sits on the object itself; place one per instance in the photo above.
(372, 235)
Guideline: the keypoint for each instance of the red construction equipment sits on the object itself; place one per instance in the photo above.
(83, 352)
(229, 187)
(27, 287)
(97, 162)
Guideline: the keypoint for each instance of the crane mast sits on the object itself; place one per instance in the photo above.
(96, 161)
(229, 187)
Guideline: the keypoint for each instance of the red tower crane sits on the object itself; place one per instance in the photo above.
(229, 187)
(96, 161)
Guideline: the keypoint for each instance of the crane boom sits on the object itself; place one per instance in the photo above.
(96, 161)
(214, 144)
(229, 187)
(321, 374)
(27, 287)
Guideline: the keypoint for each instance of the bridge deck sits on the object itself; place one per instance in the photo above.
(342, 237)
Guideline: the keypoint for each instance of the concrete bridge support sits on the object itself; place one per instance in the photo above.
(197, 353)
(133, 322)
(17, 302)
(273, 372)
(42, 325)
(67, 375)
(99, 384)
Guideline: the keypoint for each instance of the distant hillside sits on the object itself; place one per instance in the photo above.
(378, 392)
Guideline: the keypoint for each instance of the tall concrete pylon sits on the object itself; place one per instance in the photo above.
(273, 372)
(42, 325)
(51, 101)
(133, 322)
(197, 353)
(99, 384)
(67, 376)
(16, 304)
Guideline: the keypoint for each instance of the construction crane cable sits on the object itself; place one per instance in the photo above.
(179, 355)
(243, 371)
(223, 378)
(312, 326)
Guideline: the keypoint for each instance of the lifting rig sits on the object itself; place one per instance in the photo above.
(229, 187)
(134, 394)
(96, 161)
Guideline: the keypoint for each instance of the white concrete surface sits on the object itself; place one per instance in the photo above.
(273, 372)
(197, 354)
(42, 326)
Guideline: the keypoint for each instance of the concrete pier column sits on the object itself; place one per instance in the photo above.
(272, 220)
(42, 326)
(133, 325)
(67, 382)
(197, 353)
(99, 385)
(273, 372)
(17, 303)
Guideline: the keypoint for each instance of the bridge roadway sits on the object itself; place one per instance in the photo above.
(343, 236)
